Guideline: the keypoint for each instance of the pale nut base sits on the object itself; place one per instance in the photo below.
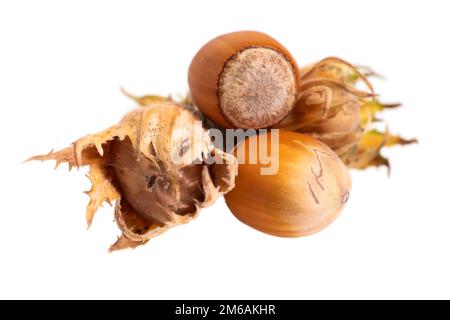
(257, 88)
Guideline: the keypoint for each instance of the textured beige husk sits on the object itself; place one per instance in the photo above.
(328, 107)
(149, 133)
(332, 109)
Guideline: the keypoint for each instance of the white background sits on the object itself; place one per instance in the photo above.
(61, 66)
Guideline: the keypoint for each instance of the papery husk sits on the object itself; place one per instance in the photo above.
(132, 164)
(334, 110)
(368, 151)
(328, 107)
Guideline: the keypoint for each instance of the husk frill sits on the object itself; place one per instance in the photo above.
(332, 108)
(133, 164)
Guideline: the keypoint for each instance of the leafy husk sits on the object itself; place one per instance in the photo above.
(132, 164)
(332, 108)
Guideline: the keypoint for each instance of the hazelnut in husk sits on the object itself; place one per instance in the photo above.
(158, 166)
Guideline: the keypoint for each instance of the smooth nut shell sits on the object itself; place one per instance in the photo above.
(308, 192)
(208, 64)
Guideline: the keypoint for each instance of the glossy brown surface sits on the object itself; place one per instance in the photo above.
(307, 193)
(208, 64)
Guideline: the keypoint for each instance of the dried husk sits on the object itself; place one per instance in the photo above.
(328, 107)
(332, 109)
(154, 166)
(368, 151)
